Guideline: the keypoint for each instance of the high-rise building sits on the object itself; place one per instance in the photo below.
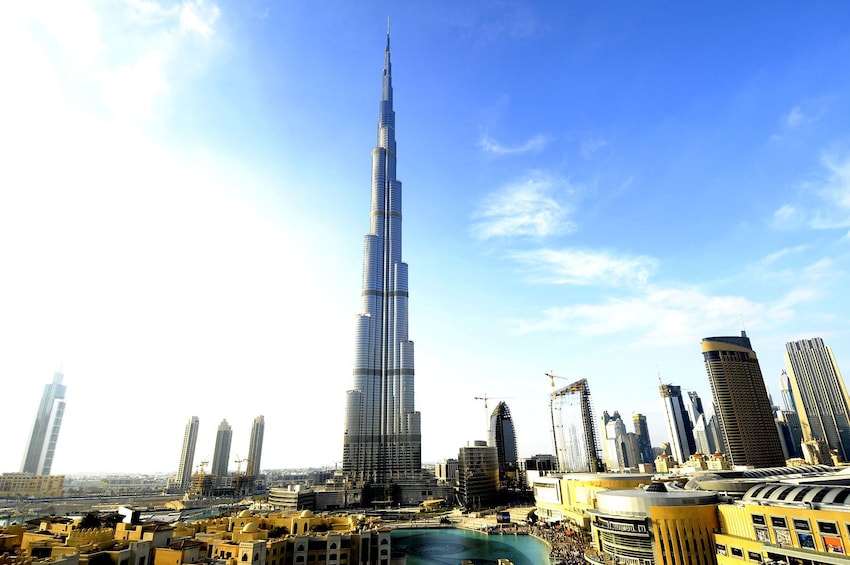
(703, 442)
(38, 457)
(221, 455)
(503, 438)
(574, 429)
(616, 443)
(187, 454)
(255, 449)
(382, 440)
(644, 443)
(742, 405)
(478, 474)
(679, 425)
(446, 471)
(819, 394)
(791, 418)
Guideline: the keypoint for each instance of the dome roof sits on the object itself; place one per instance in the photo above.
(250, 528)
(306, 514)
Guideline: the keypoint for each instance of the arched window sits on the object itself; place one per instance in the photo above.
(244, 557)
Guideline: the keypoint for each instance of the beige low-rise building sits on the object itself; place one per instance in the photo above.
(21, 485)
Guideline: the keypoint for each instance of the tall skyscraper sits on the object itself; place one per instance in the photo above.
(255, 450)
(619, 452)
(819, 393)
(503, 438)
(741, 402)
(703, 442)
(574, 429)
(221, 455)
(38, 458)
(792, 432)
(679, 425)
(382, 439)
(187, 454)
(644, 443)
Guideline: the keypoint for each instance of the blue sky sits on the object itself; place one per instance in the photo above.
(589, 190)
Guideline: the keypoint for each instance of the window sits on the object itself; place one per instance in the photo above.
(244, 557)
(758, 519)
(737, 552)
(801, 524)
(778, 522)
(754, 556)
(829, 528)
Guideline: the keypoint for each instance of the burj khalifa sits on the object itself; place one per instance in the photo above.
(383, 439)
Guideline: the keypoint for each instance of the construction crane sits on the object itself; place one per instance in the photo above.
(199, 486)
(239, 464)
(552, 376)
(485, 398)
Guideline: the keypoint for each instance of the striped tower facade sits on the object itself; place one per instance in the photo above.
(382, 437)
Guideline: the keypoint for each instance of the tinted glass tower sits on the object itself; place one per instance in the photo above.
(382, 439)
(221, 455)
(255, 449)
(38, 458)
(742, 405)
(678, 422)
(576, 444)
(821, 398)
(503, 438)
(642, 433)
(187, 454)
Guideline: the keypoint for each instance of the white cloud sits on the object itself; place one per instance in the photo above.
(196, 16)
(118, 59)
(826, 199)
(577, 267)
(490, 145)
(591, 146)
(795, 117)
(665, 317)
(533, 207)
(777, 255)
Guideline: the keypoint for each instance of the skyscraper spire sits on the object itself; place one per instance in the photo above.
(382, 437)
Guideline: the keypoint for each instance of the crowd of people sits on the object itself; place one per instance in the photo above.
(568, 545)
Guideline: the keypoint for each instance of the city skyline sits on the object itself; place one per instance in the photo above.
(182, 199)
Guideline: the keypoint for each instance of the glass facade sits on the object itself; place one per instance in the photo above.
(382, 436)
(38, 458)
(576, 445)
